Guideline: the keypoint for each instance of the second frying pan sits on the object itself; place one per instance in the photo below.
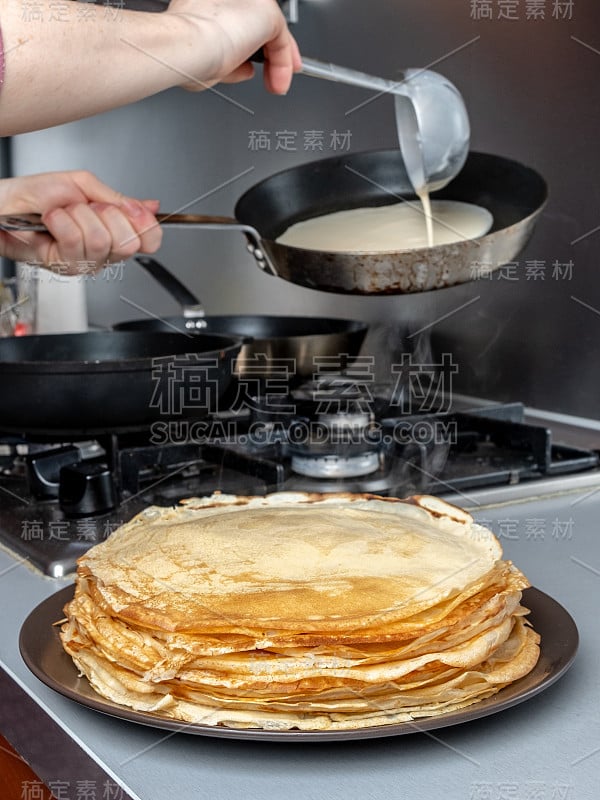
(269, 339)
(104, 382)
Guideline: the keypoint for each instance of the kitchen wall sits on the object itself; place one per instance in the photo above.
(531, 333)
(5, 171)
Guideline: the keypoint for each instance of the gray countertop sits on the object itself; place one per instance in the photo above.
(545, 749)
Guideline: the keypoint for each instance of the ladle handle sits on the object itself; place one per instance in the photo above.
(33, 222)
(332, 72)
(313, 68)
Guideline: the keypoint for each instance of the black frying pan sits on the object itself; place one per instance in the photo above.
(90, 383)
(514, 194)
(292, 339)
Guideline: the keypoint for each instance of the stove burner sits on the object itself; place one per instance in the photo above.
(336, 467)
(334, 446)
(346, 421)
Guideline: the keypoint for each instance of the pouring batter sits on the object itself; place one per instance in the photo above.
(431, 160)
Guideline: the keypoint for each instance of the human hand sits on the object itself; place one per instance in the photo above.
(90, 225)
(236, 29)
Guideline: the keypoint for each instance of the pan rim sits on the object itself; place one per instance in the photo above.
(342, 326)
(231, 345)
(389, 150)
(543, 189)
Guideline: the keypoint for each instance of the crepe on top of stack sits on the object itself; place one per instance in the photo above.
(298, 611)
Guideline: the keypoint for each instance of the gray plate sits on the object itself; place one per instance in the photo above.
(42, 651)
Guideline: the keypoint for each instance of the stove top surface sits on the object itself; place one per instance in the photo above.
(58, 499)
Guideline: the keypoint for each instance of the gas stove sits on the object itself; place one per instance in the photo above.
(59, 498)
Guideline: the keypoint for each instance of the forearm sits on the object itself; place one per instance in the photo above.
(67, 60)
(62, 66)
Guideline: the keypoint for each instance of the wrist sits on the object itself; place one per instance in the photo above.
(197, 47)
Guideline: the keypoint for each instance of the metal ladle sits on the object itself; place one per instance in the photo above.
(433, 124)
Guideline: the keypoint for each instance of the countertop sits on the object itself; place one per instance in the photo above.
(545, 749)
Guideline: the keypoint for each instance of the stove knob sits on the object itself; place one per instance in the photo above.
(43, 469)
(87, 490)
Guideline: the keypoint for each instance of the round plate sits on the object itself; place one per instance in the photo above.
(43, 653)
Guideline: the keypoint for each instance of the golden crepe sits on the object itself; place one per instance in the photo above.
(299, 611)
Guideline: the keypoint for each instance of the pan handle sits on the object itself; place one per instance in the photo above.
(190, 304)
(33, 222)
(212, 223)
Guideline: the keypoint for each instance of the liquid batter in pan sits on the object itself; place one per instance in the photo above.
(401, 226)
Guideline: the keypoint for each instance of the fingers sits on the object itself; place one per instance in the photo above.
(23, 246)
(93, 189)
(86, 237)
(230, 31)
(282, 59)
(49, 190)
(151, 205)
(140, 216)
(90, 225)
(243, 73)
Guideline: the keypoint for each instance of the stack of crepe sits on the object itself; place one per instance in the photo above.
(299, 611)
